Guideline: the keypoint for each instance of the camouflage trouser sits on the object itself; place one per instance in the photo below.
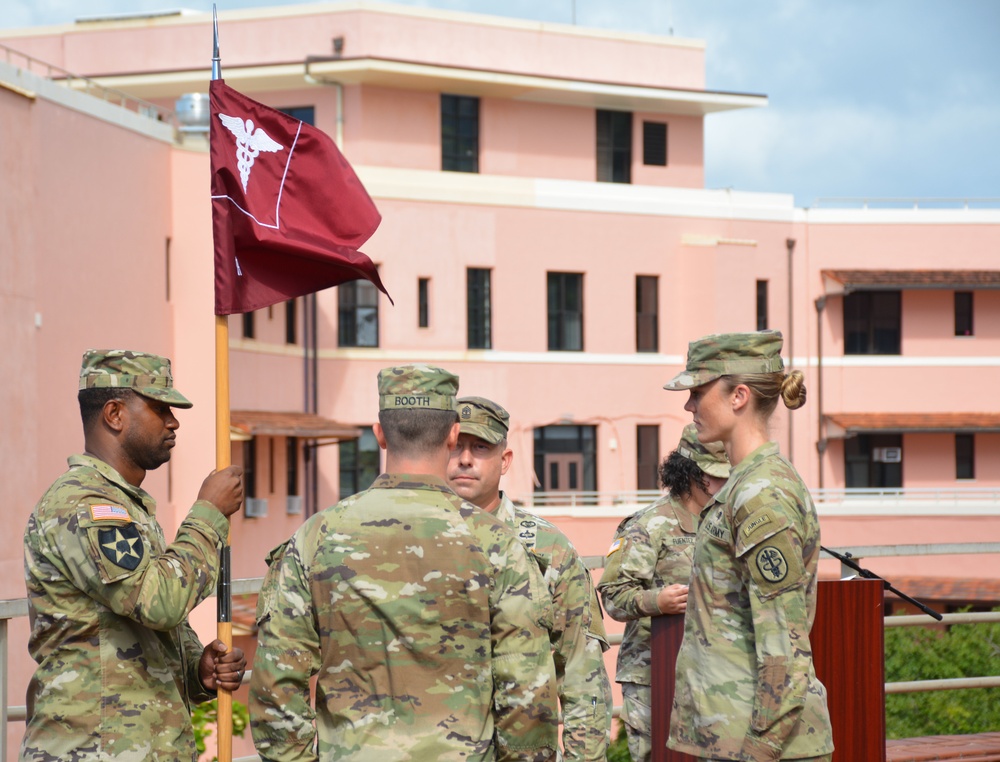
(637, 717)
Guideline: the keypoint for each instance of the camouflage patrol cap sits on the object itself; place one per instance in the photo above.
(483, 418)
(710, 457)
(726, 354)
(416, 387)
(146, 374)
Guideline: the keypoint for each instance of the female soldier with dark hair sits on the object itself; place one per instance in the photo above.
(647, 571)
(746, 688)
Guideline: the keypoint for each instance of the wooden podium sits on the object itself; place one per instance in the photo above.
(848, 642)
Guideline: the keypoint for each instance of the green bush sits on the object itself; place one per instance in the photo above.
(618, 749)
(921, 653)
(205, 717)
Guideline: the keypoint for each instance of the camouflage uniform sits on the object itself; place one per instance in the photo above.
(422, 617)
(108, 603)
(746, 687)
(652, 550)
(577, 632)
(577, 635)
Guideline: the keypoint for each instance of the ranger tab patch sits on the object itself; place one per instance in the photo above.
(109, 513)
(122, 545)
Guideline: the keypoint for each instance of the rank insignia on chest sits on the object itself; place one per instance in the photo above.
(121, 545)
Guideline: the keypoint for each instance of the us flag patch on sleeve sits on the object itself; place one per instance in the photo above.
(615, 545)
(109, 513)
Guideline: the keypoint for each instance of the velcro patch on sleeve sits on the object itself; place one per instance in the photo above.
(122, 546)
(109, 512)
(759, 521)
(613, 562)
(757, 528)
(775, 566)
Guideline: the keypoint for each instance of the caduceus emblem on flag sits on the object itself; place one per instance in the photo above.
(249, 144)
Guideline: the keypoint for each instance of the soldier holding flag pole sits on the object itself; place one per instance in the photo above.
(119, 667)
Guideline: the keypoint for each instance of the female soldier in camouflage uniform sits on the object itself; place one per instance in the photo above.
(746, 688)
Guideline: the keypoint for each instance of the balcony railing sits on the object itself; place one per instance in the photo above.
(906, 203)
(900, 499)
(87, 85)
(16, 608)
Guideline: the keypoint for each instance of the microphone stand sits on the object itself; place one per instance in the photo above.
(848, 560)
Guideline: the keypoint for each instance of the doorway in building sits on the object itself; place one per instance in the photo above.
(565, 460)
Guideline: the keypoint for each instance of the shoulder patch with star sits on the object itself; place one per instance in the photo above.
(121, 545)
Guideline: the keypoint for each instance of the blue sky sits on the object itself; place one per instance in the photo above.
(868, 98)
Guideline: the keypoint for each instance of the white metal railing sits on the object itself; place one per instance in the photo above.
(828, 497)
(594, 498)
(906, 203)
(906, 494)
(18, 607)
(87, 85)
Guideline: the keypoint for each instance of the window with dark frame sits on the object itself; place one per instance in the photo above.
(248, 325)
(872, 321)
(291, 326)
(360, 463)
(647, 318)
(250, 468)
(565, 312)
(762, 305)
(357, 314)
(479, 308)
(654, 144)
(614, 146)
(423, 305)
(459, 133)
(965, 456)
(305, 114)
(874, 461)
(648, 456)
(963, 313)
(292, 465)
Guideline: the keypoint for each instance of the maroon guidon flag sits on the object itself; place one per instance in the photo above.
(288, 212)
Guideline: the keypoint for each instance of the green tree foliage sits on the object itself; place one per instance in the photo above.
(921, 653)
(206, 715)
(618, 749)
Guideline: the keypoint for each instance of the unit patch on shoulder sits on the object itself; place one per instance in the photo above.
(771, 563)
(109, 513)
(121, 545)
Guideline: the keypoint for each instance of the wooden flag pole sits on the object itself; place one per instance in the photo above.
(224, 594)
(223, 458)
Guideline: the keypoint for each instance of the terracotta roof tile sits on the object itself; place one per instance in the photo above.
(290, 424)
(912, 422)
(872, 279)
(980, 591)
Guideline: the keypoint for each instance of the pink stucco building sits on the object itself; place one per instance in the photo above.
(546, 235)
